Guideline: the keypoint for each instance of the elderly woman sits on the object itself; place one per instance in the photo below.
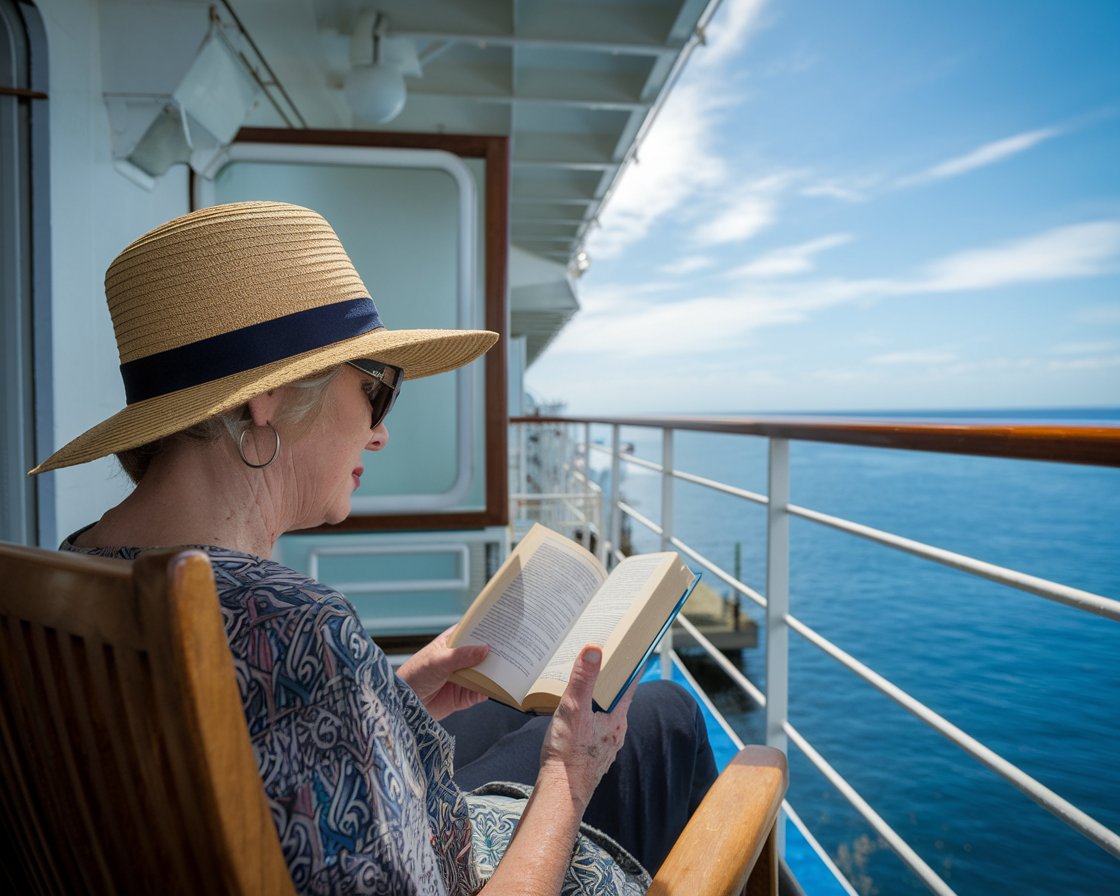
(257, 372)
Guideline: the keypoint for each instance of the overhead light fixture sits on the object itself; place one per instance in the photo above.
(374, 87)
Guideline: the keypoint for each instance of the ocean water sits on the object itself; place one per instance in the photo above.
(1036, 681)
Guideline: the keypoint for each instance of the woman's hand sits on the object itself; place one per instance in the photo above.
(581, 744)
(427, 671)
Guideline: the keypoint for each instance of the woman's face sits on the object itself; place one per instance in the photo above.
(326, 457)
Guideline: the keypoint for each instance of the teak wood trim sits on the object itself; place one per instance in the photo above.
(728, 846)
(494, 151)
(1096, 445)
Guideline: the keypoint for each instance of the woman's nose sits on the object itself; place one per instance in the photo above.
(379, 438)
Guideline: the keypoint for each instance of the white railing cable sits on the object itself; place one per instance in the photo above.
(1077, 819)
(641, 462)
(639, 517)
(905, 852)
(715, 485)
(723, 662)
(743, 588)
(825, 858)
(1074, 597)
(703, 698)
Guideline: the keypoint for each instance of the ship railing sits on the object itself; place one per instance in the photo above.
(571, 454)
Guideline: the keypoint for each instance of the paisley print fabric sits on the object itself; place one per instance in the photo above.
(357, 773)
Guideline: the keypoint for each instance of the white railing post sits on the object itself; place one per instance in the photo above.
(616, 493)
(523, 462)
(667, 534)
(585, 508)
(777, 596)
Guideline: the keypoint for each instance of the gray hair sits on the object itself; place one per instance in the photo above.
(306, 402)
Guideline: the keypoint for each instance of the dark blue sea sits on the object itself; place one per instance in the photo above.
(1036, 681)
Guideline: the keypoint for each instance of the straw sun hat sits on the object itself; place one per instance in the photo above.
(225, 303)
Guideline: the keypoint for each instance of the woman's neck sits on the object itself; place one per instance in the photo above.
(195, 495)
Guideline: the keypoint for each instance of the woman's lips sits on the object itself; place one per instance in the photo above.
(356, 475)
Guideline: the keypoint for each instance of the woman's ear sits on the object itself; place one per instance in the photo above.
(264, 408)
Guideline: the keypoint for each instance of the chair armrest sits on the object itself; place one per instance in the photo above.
(731, 832)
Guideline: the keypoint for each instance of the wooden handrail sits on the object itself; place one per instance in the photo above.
(1096, 445)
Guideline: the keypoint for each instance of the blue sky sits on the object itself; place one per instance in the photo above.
(864, 205)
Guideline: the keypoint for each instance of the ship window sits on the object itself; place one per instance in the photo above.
(414, 219)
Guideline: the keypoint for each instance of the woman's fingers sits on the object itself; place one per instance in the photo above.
(585, 672)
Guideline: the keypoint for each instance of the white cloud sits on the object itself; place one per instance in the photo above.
(746, 211)
(1086, 348)
(790, 260)
(1105, 363)
(687, 265)
(988, 154)
(918, 357)
(836, 189)
(629, 323)
(1079, 250)
(677, 162)
(740, 19)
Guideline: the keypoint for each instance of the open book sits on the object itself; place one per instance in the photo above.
(551, 598)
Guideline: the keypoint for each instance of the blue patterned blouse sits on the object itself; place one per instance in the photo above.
(357, 772)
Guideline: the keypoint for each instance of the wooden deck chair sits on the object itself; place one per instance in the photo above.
(125, 760)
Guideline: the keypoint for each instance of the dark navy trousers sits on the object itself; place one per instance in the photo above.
(657, 780)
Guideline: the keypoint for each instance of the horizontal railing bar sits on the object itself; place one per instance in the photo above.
(724, 663)
(640, 462)
(1040, 793)
(825, 858)
(703, 697)
(640, 518)
(713, 484)
(904, 851)
(549, 496)
(722, 487)
(741, 587)
(1074, 597)
(1097, 445)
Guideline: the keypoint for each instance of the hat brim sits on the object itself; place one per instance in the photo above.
(419, 353)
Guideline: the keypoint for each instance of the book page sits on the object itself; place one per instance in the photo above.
(628, 582)
(533, 611)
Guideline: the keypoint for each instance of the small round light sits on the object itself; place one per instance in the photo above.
(375, 93)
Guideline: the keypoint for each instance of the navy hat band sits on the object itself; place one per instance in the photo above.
(246, 348)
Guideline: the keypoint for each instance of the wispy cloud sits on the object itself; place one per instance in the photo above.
(678, 161)
(1079, 250)
(740, 19)
(845, 191)
(631, 325)
(790, 260)
(1107, 362)
(745, 212)
(688, 264)
(1086, 348)
(982, 156)
(918, 357)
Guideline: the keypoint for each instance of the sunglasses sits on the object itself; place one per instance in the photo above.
(382, 394)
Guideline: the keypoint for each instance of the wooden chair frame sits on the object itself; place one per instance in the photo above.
(126, 763)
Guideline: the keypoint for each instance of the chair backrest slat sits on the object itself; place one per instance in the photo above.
(125, 760)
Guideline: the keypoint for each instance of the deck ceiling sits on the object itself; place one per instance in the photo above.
(571, 83)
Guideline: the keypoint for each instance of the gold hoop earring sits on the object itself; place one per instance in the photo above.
(249, 463)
